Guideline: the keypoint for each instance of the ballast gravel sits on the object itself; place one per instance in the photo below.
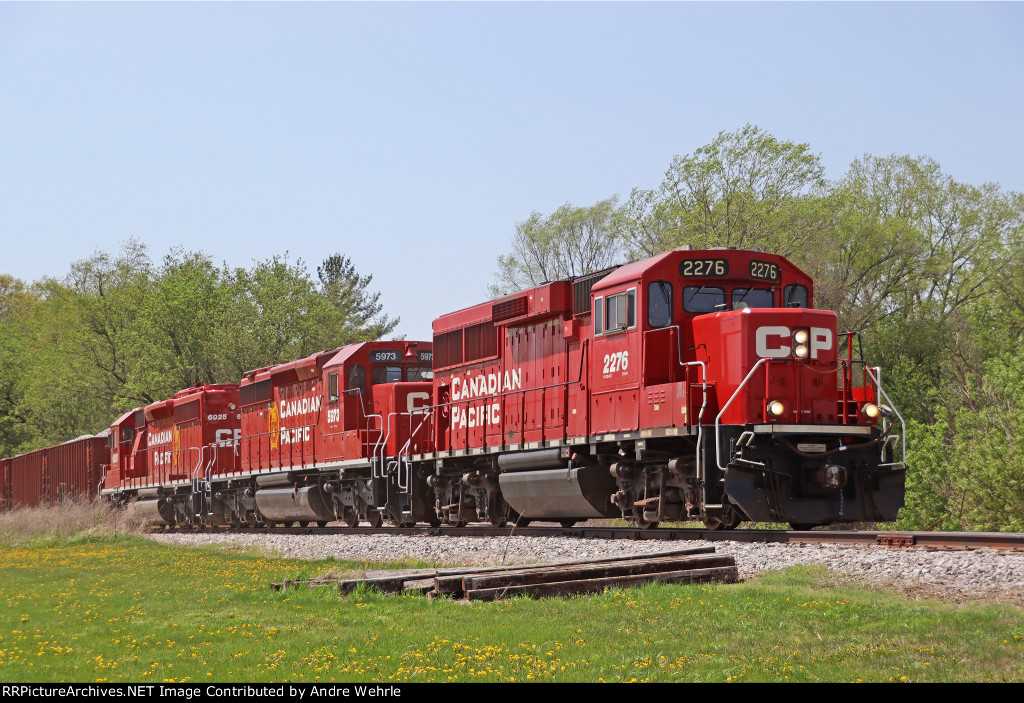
(959, 575)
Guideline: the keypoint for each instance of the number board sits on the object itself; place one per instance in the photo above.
(765, 270)
(380, 357)
(426, 357)
(704, 267)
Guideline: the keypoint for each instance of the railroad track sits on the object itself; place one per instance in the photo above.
(1012, 541)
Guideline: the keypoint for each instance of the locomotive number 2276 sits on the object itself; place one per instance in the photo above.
(619, 361)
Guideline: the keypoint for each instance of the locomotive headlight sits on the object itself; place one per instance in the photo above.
(872, 411)
(776, 407)
(800, 352)
(800, 337)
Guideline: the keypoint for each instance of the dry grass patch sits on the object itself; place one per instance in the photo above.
(77, 518)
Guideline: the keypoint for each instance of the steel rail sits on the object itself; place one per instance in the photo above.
(883, 538)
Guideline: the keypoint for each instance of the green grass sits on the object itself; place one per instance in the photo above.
(125, 609)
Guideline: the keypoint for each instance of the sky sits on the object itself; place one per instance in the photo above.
(412, 137)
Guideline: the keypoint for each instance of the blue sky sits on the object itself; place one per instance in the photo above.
(412, 137)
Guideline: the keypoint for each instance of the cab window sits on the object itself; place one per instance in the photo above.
(752, 298)
(703, 299)
(419, 373)
(620, 311)
(356, 378)
(659, 304)
(332, 386)
(796, 296)
(386, 374)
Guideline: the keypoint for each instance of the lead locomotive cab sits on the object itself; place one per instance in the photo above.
(727, 399)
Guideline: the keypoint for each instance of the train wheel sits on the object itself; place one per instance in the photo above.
(434, 522)
(350, 517)
(375, 519)
(321, 523)
(729, 520)
(717, 523)
(460, 523)
(303, 523)
(567, 523)
(802, 526)
(497, 521)
(638, 518)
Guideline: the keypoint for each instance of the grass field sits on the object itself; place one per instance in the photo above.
(121, 608)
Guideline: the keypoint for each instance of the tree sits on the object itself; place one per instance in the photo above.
(571, 241)
(346, 291)
(182, 337)
(745, 189)
(17, 303)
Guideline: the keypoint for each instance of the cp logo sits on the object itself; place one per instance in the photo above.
(773, 342)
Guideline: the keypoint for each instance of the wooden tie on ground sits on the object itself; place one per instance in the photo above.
(694, 565)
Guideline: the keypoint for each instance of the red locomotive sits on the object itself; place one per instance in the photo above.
(691, 385)
(694, 384)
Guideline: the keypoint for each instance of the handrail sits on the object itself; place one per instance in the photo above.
(718, 434)
(700, 414)
(892, 407)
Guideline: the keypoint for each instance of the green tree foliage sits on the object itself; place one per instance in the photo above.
(119, 332)
(16, 305)
(571, 241)
(966, 471)
(745, 189)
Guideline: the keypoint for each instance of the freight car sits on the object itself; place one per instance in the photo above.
(690, 385)
(67, 471)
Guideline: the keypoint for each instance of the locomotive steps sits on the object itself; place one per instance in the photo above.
(694, 565)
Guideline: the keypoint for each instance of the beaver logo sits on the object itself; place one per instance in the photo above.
(275, 425)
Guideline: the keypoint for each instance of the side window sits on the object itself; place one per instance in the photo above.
(598, 316)
(620, 311)
(332, 386)
(659, 304)
(703, 299)
(795, 296)
(356, 378)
